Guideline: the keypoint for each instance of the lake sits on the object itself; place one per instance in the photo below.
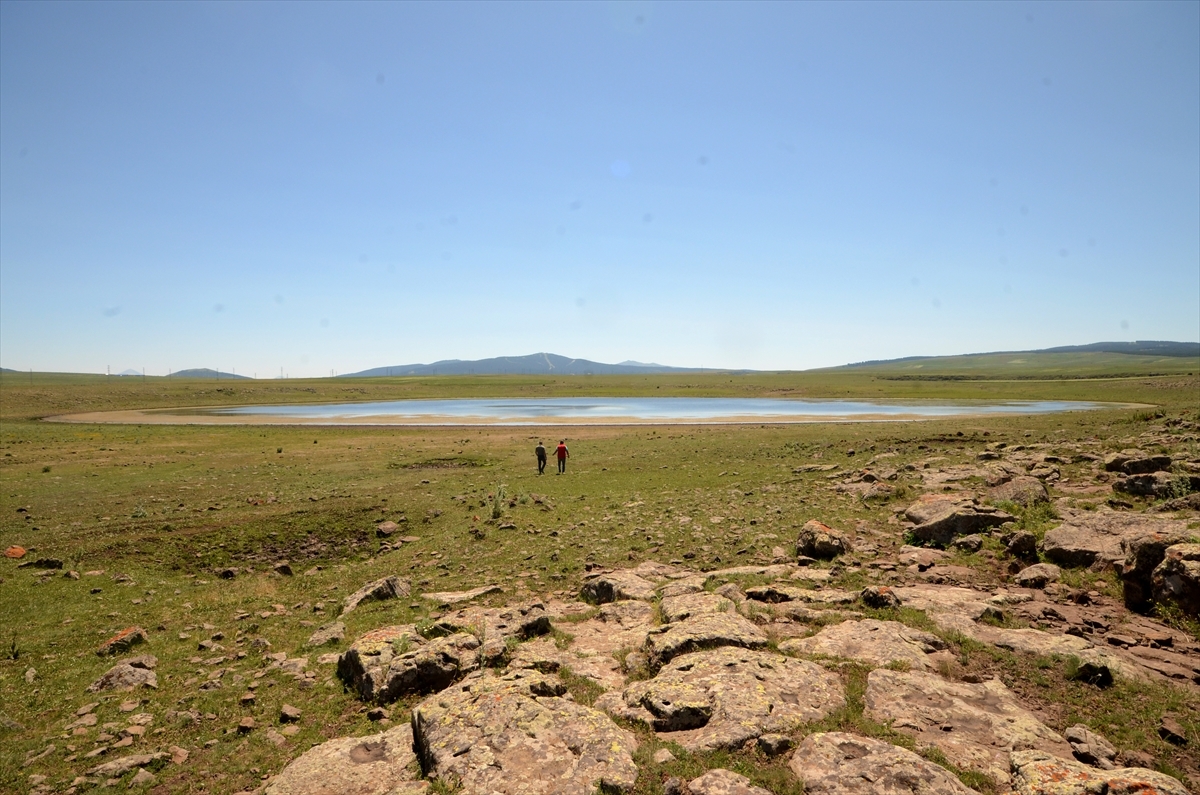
(621, 410)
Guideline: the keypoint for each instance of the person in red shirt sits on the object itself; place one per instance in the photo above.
(563, 454)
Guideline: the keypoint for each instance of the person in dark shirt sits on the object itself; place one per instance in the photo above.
(540, 451)
(563, 454)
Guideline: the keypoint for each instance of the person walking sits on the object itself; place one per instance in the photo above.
(540, 451)
(563, 454)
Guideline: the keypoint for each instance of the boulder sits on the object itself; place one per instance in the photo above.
(1188, 502)
(1152, 484)
(873, 642)
(378, 764)
(516, 735)
(678, 608)
(599, 588)
(1022, 545)
(723, 698)
(330, 633)
(1177, 578)
(817, 540)
(976, 725)
(1039, 773)
(835, 763)
(724, 782)
(1024, 491)
(1143, 553)
(127, 675)
(1148, 463)
(706, 631)
(1039, 575)
(939, 519)
(390, 662)
(384, 588)
(1090, 748)
(971, 543)
(123, 641)
(1093, 538)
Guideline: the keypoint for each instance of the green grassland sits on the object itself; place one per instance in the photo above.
(159, 509)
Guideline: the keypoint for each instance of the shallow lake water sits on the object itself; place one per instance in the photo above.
(617, 410)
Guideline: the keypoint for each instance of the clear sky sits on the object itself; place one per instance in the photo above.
(314, 187)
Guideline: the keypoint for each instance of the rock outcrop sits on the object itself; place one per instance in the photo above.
(602, 587)
(835, 763)
(1177, 579)
(1023, 490)
(705, 631)
(820, 541)
(976, 725)
(1143, 552)
(516, 735)
(378, 764)
(390, 662)
(873, 642)
(128, 675)
(1093, 538)
(938, 519)
(724, 697)
(1041, 773)
(381, 589)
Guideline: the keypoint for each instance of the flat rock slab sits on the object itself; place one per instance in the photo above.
(976, 725)
(707, 631)
(724, 782)
(775, 594)
(378, 764)
(723, 697)
(448, 598)
(496, 625)
(119, 767)
(384, 588)
(618, 626)
(515, 735)
(1089, 538)
(938, 518)
(873, 642)
(1023, 490)
(678, 608)
(1040, 773)
(614, 585)
(542, 654)
(836, 763)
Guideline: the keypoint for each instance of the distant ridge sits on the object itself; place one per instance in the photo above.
(204, 372)
(1139, 348)
(533, 364)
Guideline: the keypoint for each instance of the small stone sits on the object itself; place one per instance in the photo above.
(377, 713)
(228, 573)
(122, 641)
(1039, 575)
(246, 725)
(284, 569)
(673, 786)
(129, 706)
(143, 778)
(247, 700)
(1094, 673)
(178, 755)
(275, 738)
(289, 731)
(663, 756)
(289, 714)
(971, 543)
(30, 675)
(879, 596)
(774, 744)
(330, 633)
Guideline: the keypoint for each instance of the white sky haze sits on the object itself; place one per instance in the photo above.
(317, 187)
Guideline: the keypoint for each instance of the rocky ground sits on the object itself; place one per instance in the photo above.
(1011, 624)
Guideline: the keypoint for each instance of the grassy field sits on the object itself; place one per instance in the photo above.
(149, 514)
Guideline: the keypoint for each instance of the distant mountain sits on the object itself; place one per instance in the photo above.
(1139, 348)
(130, 371)
(533, 364)
(204, 372)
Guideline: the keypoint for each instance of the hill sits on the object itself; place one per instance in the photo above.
(533, 364)
(204, 372)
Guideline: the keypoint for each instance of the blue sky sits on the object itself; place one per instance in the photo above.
(330, 187)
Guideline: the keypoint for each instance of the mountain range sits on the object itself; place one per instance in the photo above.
(533, 364)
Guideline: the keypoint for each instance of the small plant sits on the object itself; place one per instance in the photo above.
(498, 502)
(138, 513)
(278, 449)
(14, 651)
(46, 468)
